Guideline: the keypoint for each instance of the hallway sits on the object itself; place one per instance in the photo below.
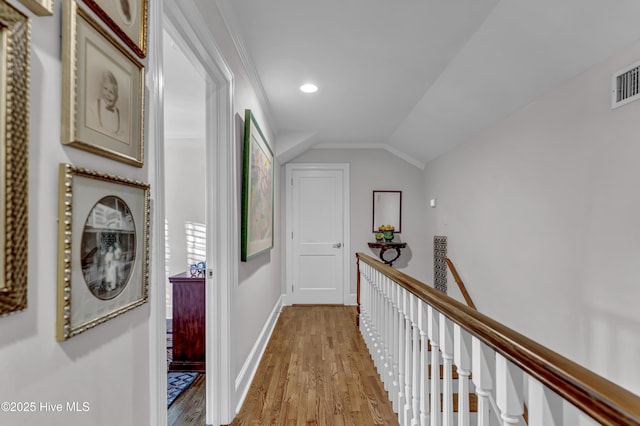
(316, 370)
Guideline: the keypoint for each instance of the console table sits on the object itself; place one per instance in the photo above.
(188, 323)
(384, 246)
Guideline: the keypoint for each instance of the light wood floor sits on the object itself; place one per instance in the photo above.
(316, 370)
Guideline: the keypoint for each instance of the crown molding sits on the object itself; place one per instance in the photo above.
(384, 146)
(228, 16)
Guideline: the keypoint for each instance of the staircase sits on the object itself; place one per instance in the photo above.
(488, 374)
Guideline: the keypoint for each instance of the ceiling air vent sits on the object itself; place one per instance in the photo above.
(626, 86)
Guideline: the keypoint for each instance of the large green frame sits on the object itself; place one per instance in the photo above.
(257, 200)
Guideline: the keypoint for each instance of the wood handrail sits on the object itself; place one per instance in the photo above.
(594, 395)
(461, 286)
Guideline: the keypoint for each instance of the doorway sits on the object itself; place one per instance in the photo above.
(317, 233)
(185, 136)
(183, 22)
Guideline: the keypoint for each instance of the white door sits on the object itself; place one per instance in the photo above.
(317, 246)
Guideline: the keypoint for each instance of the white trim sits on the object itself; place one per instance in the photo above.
(250, 366)
(384, 146)
(346, 252)
(222, 224)
(352, 300)
(155, 158)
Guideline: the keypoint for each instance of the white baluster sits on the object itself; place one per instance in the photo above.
(415, 368)
(402, 396)
(423, 325)
(509, 391)
(388, 370)
(483, 372)
(446, 347)
(462, 359)
(434, 337)
(364, 305)
(545, 406)
(379, 307)
(395, 339)
(371, 316)
(378, 322)
(408, 366)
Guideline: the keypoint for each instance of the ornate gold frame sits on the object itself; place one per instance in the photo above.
(74, 182)
(39, 7)
(14, 115)
(105, 10)
(79, 32)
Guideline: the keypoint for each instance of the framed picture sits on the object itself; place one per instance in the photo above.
(127, 18)
(39, 7)
(103, 91)
(15, 51)
(103, 248)
(257, 191)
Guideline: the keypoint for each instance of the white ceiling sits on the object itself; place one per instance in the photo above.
(418, 76)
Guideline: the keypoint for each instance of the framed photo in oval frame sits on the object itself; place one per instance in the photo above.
(103, 248)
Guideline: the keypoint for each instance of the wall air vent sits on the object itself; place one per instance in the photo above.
(626, 86)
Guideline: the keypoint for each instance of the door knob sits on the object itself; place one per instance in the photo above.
(337, 245)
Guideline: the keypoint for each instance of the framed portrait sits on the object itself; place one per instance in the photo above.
(15, 51)
(103, 248)
(39, 7)
(126, 18)
(257, 191)
(103, 91)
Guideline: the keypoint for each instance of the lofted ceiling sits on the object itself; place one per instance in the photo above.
(417, 77)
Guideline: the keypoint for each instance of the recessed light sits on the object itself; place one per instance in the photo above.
(309, 88)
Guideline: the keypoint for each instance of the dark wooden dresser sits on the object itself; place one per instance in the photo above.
(188, 323)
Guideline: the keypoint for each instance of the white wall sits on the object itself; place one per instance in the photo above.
(378, 169)
(542, 214)
(106, 366)
(185, 201)
(185, 192)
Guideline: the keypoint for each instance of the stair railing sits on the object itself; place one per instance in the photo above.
(461, 285)
(400, 316)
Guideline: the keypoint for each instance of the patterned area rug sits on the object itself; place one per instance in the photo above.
(177, 381)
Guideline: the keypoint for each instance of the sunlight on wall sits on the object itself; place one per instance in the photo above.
(196, 234)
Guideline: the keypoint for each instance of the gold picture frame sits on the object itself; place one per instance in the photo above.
(103, 248)
(15, 51)
(39, 7)
(126, 18)
(103, 91)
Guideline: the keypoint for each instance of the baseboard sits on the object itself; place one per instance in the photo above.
(248, 371)
(352, 300)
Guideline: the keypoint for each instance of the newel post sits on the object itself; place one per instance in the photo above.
(358, 292)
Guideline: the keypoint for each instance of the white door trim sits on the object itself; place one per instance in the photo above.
(346, 253)
(187, 26)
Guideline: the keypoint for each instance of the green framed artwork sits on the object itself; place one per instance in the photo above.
(257, 191)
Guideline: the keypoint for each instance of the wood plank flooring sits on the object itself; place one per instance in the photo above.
(189, 407)
(316, 370)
